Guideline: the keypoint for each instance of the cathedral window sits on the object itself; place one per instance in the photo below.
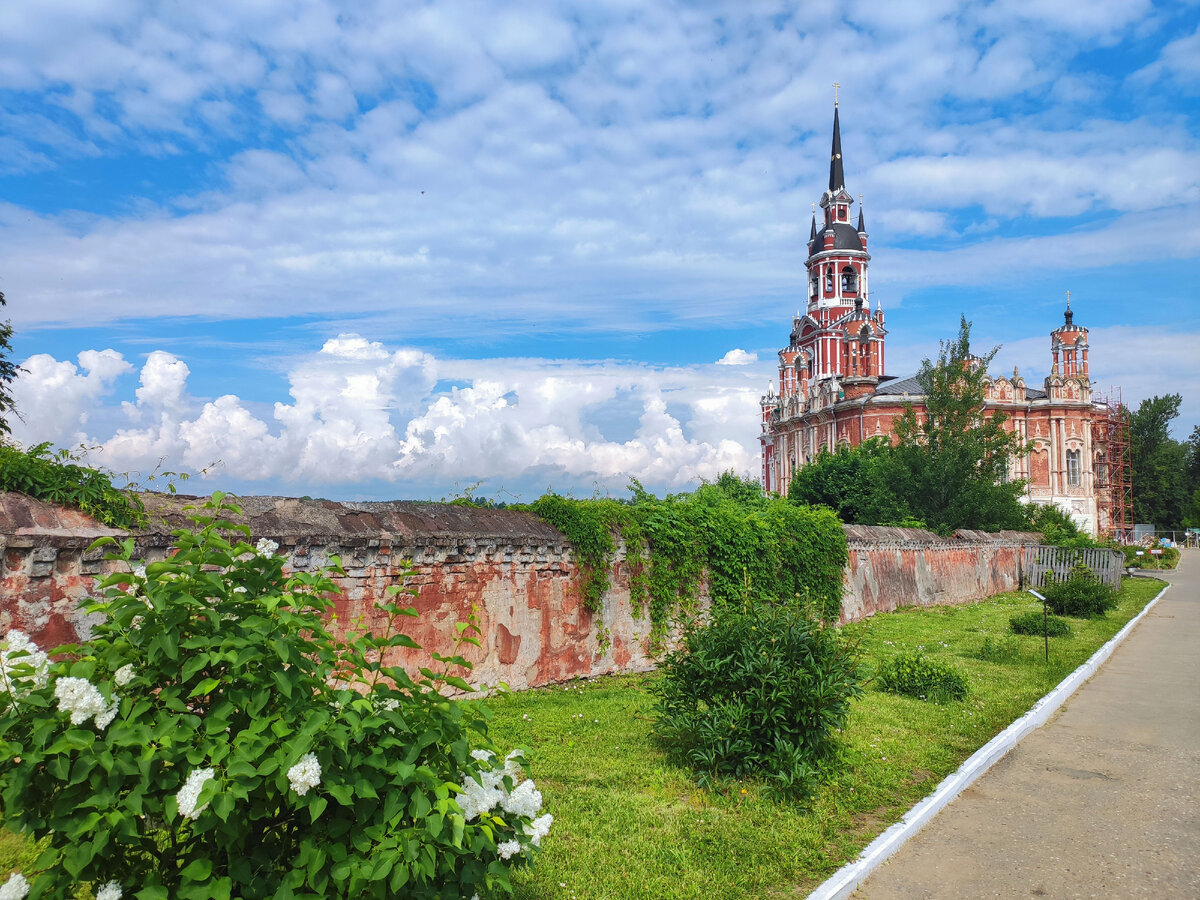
(1073, 467)
(849, 280)
(829, 280)
(812, 284)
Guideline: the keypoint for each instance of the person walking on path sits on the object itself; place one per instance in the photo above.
(1102, 801)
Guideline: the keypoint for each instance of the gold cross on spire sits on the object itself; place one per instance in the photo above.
(835, 92)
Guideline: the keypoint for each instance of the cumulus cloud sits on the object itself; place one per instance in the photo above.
(737, 357)
(53, 398)
(362, 411)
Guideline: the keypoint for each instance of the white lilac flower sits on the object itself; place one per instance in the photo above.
(539, 828)
(110, 891)
(190, 793)
(477, 799)
(80, 698)
(265, 547)
(15, 888)
(512, 765)
(123, 675)
(525, 800)
(21, 651)
(508, 848)
(105, 718)
(305, 774)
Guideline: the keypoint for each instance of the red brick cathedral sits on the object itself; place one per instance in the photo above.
(833, 388)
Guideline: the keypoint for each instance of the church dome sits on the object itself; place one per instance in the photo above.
(845, 237)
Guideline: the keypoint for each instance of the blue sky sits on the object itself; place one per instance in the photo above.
(377, 250)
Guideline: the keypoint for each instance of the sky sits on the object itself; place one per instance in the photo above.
(373, 250)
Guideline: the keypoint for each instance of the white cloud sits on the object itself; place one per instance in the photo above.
(361, 411)
(53, 399)
(737, 357)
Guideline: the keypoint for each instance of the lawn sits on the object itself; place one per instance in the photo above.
(630, 824)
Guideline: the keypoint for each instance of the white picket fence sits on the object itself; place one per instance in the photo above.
(1107, 565)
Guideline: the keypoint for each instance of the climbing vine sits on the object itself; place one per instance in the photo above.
(733, 536)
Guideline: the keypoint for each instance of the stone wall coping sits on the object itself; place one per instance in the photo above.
(863, 536)
(25, 521)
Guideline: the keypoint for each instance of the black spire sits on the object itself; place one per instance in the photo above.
(862, 229)
(812, 234)
(837, 179)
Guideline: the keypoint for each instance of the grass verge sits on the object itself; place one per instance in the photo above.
(629, 824)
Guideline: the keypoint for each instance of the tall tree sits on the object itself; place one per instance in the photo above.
(8, 373)
(953, 456)
(1159, 463)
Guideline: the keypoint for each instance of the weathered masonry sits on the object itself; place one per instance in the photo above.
(514, 571)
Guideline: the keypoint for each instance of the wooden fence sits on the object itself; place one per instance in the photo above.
(1107, 565)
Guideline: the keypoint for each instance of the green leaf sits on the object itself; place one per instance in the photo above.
(205, 687)
(197, 870)
(316, 807)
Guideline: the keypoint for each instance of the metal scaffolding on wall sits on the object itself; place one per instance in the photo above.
(1114, 471)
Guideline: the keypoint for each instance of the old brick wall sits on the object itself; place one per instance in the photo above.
(893, 567)
(513, 570)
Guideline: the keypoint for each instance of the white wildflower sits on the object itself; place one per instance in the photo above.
(110, 891)
(525, 800)
(305, 774)
(21, 651)
(123, 675)
(80, 698)
(539, 828)
(508, 848)
(265, 547)
(15, 888)
(136, 623)
(240, 589)
(482, 755)
(190, 793)
(140, 571)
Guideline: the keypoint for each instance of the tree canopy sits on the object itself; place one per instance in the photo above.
(949, 467)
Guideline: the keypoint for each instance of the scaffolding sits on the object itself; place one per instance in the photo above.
(1114, 466)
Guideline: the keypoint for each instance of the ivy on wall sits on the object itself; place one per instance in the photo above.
(726, 531)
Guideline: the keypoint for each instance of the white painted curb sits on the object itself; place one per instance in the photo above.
(846, 879)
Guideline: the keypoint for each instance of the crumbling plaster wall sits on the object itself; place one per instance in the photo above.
(514, 571)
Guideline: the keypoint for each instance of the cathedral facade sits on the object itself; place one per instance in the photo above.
(833, 388)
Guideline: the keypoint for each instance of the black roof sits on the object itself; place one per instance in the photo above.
(837, 178)
(844, 238)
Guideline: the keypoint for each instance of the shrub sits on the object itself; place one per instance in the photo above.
(57, 477)
(215, 740)
(757, 692)
(1000, 650)
(914, 674)
(1032, 623)
(1080, 594)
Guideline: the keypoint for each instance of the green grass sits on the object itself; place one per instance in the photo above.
(631, 824)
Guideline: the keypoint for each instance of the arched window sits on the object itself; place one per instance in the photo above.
(829, 280)
(812, 283)
(849, 280)
(1073, 467)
